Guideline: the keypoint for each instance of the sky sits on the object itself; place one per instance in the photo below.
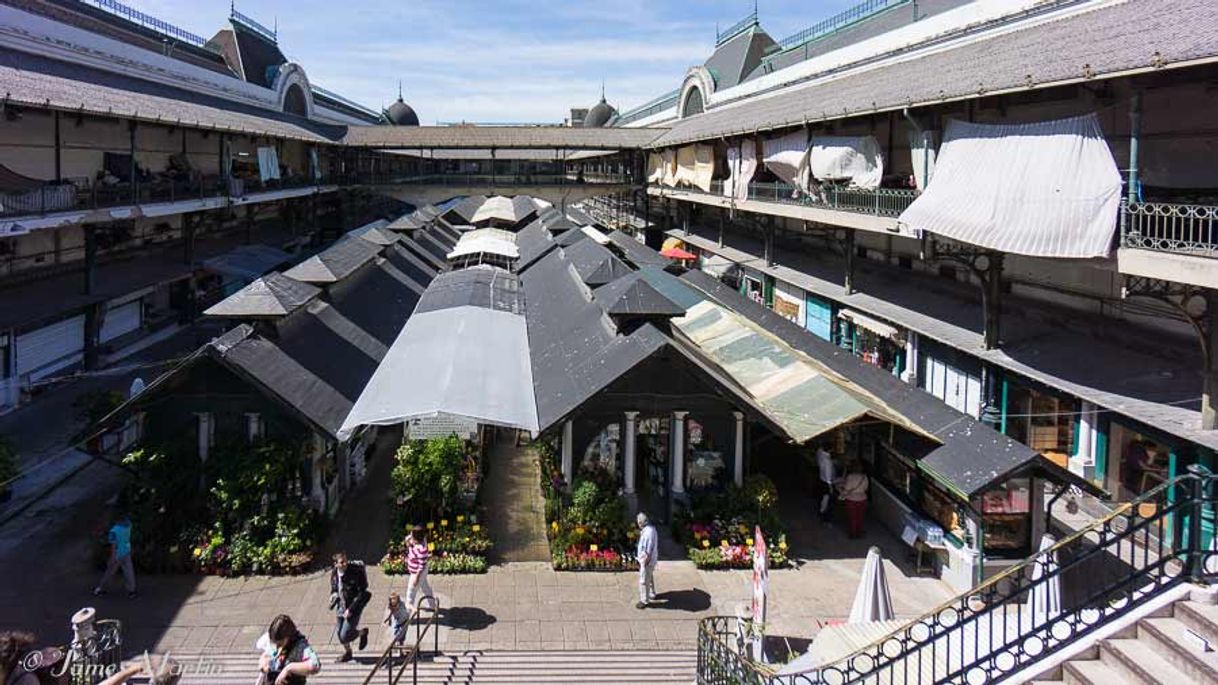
(496, 60)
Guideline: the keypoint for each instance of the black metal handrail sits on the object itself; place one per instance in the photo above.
(1106, 569)
(412, 652)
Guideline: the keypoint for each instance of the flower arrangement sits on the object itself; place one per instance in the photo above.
(587, 527)
(592, 558)
(717, 528)
(458, 545)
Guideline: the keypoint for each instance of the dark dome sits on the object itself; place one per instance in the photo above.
(400, 114)
(599, 115)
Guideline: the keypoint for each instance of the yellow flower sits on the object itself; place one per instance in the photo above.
(443, 523)
(782, 544)
(431, 547)
(554, 525)
(580, 530)
(705, 542)
(460, 518)
(198, 552)
(431, 525)
(748, 541)
(477, 528)
(593, 547)
(723, 543)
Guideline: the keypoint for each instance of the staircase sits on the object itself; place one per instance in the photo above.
(1171, 647)
(474, 667)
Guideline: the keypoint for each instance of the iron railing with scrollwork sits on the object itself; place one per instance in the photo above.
(878, 202)
(150, 22)
(1101, 572)
(837, 22)
(1167, 227)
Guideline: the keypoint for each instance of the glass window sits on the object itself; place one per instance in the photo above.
(602, 452)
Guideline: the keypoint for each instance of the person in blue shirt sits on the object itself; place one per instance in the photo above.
(119, 538)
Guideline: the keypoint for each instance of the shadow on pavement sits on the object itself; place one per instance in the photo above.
(682, 600)
(465, 618)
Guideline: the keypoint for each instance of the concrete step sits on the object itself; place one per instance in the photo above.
(488, 667)
(1139, 662)
(1092, 673)
(1176, 642)
(1202, 617)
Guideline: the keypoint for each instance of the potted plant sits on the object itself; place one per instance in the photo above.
(8, 469)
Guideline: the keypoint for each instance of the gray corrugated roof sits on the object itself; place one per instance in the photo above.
(376, 233)
(272, 295)
(499, 137)
(44, 82)
(335, 262)
(534, 242)
(479, 286)
(467, 208)
(594, 263)
(428, 255)
(635, 252)
(1093, 44)
(735, 59)
(542, 155)
(633, 295)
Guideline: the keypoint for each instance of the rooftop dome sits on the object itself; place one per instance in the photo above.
(600, 114)
(401, 114)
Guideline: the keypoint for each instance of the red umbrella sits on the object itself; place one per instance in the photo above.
(677, 253)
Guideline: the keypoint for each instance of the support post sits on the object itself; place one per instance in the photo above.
(678, 452)
(722, 225)
(1209, 412)
(991, 300)
(1135, 135)
(738, 467)
(991, 409)
(58, 150)
(848, 284)
(568, 450)
(770, 230)
(90, 258)
(94, 316)
(135, 196)
(629, 451)
(189, 221)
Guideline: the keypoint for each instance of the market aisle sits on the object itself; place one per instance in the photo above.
(515, 509)
(362, 526)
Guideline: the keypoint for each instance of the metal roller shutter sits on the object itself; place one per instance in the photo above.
(46, 350)
(121, 320)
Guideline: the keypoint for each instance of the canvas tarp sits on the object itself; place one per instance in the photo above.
(655, 167)
(1046, 189)
(668, 175)
(686, 160)
(857, 160)
(741, 164)
(797, 393)
(704, 167)
(268, 163)
(441, 364)
(787, 158)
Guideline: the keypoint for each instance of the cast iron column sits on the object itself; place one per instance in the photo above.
(738, 467)
(848, 284)
(678, 452)
(1209, 413)
(991, 298)
(629, 451)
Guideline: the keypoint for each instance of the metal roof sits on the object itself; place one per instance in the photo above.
(635, 252)
(499, 137)
(633, 295)
(483, 286)
(594, 263)
(335, 262)
(271, 295)
(1104, 42)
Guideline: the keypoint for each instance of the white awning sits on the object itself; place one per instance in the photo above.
(742, 165)
(854, 159)
(719, 266)
(1047, 189)
(863, 321)
(704, 167)
(668, 174)
(787, 158)
(655, 168)
(687, 158)
(441, 364)
(486, 240)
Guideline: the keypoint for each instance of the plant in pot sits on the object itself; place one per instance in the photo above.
(8, 468)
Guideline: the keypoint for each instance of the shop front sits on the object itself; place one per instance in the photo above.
(789, 302)
(951, 376)
(1042, 420)
(875, 342)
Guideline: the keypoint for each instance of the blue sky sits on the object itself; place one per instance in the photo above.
(497, 60)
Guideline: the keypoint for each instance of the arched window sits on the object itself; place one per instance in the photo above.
(294, 102)
(693, 103)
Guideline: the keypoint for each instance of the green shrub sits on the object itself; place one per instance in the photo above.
(426, 481)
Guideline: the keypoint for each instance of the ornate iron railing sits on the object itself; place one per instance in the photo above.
(150, 22)
(654, 107)
(878, 202)
(1187, 229)
(249, 23)
(736, 29)
(1102, 572)
(838, 22)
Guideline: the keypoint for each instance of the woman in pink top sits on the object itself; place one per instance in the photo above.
(417, 556)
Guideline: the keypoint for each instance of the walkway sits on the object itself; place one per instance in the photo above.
(363, 524)
(515, 509)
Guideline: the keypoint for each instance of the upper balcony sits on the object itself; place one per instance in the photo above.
(1170, 242)
(869, 210)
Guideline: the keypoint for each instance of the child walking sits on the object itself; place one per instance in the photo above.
(417, 555)
(397, 617)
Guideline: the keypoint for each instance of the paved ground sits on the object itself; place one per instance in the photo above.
(514, 505)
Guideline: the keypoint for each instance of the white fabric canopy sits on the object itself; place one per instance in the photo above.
(486, 240)
(441, 364)
(687, 158)
(854, 159)
(922, 146)
(872, 600)
(704, 167)
(268, 163)
(655, 168)
(787, 158)
(742, 164)
(1048, 189)
(668, 174)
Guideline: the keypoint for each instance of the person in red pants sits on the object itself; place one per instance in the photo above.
(853, 491)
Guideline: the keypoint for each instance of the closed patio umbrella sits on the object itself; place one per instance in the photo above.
(872, 601)
(1045, 600)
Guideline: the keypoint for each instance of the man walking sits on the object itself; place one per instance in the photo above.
(119, 538)
(827, 475)
(647, 556)
(348, 597)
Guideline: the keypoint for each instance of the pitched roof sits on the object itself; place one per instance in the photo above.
(635, 252)
(335, 262)
(594, 263)
(1096, 43)
(633, 295)
(377, 233)
(271, 295)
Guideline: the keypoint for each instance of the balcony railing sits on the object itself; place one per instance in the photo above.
(1049, 601)
(1165, 227)
(838, 22)
(494, 179)
(879, 202)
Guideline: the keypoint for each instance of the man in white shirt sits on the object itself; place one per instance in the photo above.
(647, 556)
(826, 475)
